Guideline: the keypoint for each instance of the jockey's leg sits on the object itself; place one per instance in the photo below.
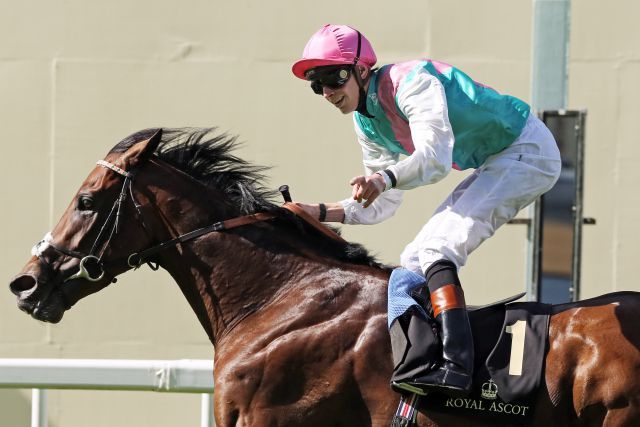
(488, 198)
(402, 284)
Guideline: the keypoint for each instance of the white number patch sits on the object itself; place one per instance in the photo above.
(517, 330)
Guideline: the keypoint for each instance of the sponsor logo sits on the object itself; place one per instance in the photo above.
(488, 403)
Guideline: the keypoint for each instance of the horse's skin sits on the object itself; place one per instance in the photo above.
(299, 332)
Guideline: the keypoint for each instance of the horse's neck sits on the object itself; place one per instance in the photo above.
(176, 204)
(229, 276)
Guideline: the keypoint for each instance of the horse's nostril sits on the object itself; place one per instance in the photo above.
(22, 284)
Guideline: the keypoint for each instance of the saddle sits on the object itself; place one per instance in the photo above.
(510, 343)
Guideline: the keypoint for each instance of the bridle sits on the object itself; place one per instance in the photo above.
(91, 265)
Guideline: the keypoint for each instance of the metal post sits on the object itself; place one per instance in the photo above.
(534, 236)
(549, 77)
(206, 411)
(578, 219)
(550, 54)
(38, 407)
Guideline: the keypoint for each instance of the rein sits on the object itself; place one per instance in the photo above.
(91, 266)
(135, 260)
(91, 262)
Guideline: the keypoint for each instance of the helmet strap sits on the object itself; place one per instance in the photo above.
(362, 98)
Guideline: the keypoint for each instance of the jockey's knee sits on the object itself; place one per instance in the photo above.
(409, 259)
(428, 257)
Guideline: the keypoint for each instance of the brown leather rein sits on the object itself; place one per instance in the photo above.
(135, 260)
(91, 266)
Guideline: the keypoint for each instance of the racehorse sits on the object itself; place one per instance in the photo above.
(297, 318)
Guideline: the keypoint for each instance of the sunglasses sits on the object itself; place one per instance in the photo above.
(330, 76)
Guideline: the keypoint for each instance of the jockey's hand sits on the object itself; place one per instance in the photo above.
(367, 188)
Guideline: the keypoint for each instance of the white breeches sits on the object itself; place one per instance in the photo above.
(507, 182)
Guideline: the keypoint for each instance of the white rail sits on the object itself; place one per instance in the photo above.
(175, 376)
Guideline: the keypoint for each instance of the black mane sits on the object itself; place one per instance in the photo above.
(207, 156)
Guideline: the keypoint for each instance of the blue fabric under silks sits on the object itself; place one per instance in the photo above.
(401, 284)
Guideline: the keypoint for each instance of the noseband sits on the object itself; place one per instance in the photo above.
(92, 262)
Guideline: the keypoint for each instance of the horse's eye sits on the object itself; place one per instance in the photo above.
(85, 203)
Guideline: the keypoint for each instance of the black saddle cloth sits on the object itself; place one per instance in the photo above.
(511, 341)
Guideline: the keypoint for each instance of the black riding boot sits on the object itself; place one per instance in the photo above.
(454, 375)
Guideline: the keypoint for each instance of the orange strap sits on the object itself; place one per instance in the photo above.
(447, 297)
(293, 207)
(247, 219)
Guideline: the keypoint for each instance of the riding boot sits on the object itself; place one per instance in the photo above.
(454, 375)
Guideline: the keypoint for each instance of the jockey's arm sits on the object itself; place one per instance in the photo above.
(333, 211)
(350, 211)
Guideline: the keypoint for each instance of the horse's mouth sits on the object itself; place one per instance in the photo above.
(51, 310)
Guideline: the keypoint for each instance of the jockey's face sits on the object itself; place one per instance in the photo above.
(338, 85)
(345, 98)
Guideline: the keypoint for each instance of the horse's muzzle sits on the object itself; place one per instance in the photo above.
(39, 300)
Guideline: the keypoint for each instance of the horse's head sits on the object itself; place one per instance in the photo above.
(91, 242)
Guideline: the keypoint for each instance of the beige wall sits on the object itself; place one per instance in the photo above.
(77, 76)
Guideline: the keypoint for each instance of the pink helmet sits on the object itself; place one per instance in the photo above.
(334, 45)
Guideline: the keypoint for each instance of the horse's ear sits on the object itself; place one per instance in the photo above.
(143, 150)
(150, 146)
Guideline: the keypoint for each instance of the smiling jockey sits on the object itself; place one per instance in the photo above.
(438, 118)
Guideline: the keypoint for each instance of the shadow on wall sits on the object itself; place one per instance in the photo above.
(15, 408)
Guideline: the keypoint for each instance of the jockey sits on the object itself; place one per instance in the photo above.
(415, 121)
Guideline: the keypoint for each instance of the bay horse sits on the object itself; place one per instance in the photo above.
(297, 319)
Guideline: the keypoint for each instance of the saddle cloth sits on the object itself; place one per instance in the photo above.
(511, 341)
